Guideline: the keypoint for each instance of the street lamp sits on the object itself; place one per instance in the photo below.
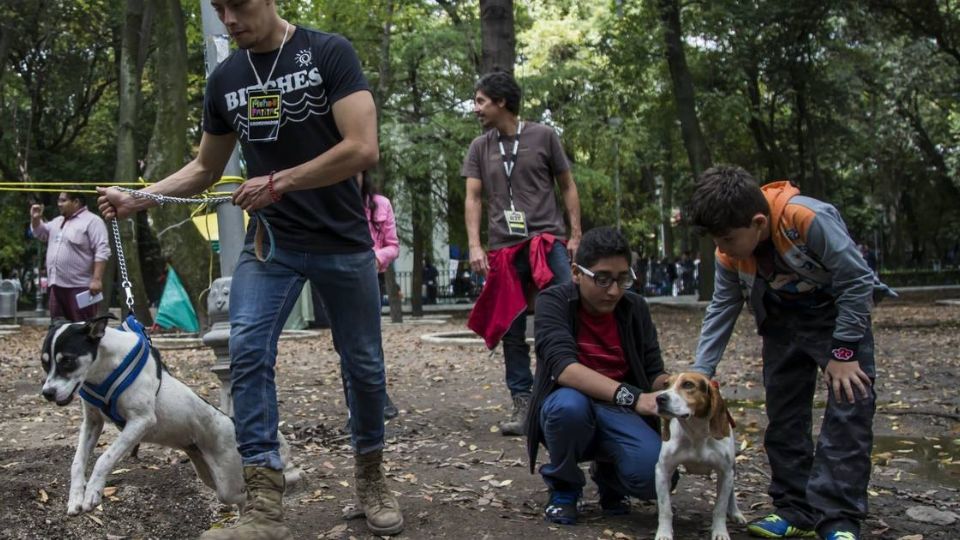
(615, 123)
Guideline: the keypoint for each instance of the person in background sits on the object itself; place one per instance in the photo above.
(77, 253)
(518, 165)
(430, 277)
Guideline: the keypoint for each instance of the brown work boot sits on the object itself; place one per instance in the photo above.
(516, 425)
(262, 516)
(377, 503)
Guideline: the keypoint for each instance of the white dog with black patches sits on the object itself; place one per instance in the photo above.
(696, 434)
(155, 408)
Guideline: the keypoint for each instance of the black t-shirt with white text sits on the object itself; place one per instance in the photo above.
(315, 69)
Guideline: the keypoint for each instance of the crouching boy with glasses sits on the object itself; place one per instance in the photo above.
(598, 366)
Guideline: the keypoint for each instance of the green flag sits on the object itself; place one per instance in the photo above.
(175, 309)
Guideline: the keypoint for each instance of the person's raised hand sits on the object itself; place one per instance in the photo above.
(36, 211)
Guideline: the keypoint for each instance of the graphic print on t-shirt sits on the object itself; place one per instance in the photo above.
(254, 119)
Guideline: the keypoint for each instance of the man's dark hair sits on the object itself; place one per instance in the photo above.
(501, 85)
(725, 197)
(76, 196)
(601, 243)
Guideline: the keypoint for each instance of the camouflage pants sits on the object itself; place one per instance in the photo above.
(824, 489)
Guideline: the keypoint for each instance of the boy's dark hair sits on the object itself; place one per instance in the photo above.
(601, 243)
(725, 197)
(501, 85)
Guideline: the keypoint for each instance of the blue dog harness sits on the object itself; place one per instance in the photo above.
(105, 395)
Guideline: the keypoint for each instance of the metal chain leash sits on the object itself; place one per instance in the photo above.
(161, 200)
(122, 262)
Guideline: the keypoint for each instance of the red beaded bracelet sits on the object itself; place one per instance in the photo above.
(274, 196)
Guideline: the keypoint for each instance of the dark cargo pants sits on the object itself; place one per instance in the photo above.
(824, 489)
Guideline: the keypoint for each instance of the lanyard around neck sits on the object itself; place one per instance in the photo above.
(511, 164)
(274, 66)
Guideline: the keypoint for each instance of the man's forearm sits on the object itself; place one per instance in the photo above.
(98, 269)
(341, 162)
(571, 199)
(472, 211)
(190, 180)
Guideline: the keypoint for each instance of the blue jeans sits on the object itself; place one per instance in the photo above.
(262, 296)
(516, 352)
(577, 429)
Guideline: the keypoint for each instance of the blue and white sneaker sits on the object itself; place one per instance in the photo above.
(563, 507)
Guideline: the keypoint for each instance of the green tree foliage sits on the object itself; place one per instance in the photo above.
(855, 101)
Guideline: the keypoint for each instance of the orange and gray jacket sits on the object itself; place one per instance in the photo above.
(811, 240)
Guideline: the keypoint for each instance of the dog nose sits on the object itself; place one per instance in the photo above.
(662, 400)
(49, 393)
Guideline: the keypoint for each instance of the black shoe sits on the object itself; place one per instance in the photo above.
(563, 507)
(390, 410)
(612, 503)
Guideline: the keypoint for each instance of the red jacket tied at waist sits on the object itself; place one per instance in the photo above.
(503, 297)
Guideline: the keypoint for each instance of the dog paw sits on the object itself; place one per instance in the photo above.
(663, 534)
(91, 500)
(720, 534)
(738, 518)
(73, 508)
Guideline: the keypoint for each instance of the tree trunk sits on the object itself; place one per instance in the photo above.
(497, 36)
(126, 165)
(763, 136)
(182, 244)
(420, 196)
(693, 140)
(416, 276)
(380, 94)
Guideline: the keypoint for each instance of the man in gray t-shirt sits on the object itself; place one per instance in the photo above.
(515, 165)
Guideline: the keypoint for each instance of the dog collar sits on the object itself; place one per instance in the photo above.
(105, 395)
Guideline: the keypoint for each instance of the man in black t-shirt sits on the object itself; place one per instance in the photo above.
(301, 108)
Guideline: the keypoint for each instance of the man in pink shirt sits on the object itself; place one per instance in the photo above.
(77, 253)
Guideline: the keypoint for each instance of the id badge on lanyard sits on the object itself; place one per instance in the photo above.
(516, 219)
(264, 108)
(516, 222)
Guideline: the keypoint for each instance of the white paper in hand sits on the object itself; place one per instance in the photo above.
(84, 299)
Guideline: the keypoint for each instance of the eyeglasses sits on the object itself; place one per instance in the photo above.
(606, 279)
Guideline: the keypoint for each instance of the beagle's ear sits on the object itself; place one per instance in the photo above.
(719, 423)
(665, 429)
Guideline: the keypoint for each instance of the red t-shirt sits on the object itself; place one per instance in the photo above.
(598, 345)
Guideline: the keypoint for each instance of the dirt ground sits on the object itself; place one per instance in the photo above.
(455, 475)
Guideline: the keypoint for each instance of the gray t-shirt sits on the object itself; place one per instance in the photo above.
(540, 159)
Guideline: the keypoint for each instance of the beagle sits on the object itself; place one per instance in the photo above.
(696, 434)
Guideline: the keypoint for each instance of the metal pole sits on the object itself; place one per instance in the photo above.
(229, 224)
(229, 217)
